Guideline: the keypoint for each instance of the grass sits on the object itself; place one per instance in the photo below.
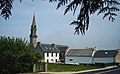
(64, 67)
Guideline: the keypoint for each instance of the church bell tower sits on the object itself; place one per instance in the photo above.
(33, 36)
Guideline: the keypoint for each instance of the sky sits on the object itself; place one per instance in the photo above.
(53, 26)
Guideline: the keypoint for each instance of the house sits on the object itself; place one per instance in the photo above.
(79, 56)
(63, 49)
(105, 56)
(49, 52)
(118, 56)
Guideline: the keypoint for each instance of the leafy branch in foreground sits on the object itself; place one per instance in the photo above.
(85, 7)
(88, 7)
(5, 7)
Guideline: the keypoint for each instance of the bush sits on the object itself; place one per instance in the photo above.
(16, 56)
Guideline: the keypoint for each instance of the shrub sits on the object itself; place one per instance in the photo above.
(16, 56)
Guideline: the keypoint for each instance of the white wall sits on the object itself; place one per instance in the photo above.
(51, 59)
(77, 60)
(103, 60)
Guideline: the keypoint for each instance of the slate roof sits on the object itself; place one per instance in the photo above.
(62, 47)
(105, 53)
(48, 48)
(118, 49)
(80, 52)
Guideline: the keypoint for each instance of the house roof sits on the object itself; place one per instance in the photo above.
(48, 48)
(62, 47)
(105, 53)
(118, 49)
(80, 52)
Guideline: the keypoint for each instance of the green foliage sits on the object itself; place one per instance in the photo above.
(6, 6)
(88, 7)
(16, 56)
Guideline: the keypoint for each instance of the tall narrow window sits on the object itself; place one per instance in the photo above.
(47, 60)
(56, 54)
(47, 54)
(56, 60)
(52, 54)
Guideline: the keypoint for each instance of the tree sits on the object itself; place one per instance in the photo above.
(16, 56)
(86, 7)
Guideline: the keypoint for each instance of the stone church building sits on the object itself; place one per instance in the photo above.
(51, 53)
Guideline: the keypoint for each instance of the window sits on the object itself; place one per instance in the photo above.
(70, 59)
(47, 60)
(49, 48)
(53, 48)
(56, 54)
(52, 54)
(47, 54)
(46, 48)
(106, 52)
(51, 59)
(56, 60)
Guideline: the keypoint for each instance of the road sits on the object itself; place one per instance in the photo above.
(115, 70)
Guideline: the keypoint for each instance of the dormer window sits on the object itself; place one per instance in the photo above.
(106, 53)
(53, 48)
(46, 48)
(50, 48)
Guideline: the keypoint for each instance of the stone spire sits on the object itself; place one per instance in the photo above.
(33, 36)
(34, 22)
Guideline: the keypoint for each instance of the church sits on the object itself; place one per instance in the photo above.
(50, 53)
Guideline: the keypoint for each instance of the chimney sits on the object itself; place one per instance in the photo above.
(38, 43)
(53, 44)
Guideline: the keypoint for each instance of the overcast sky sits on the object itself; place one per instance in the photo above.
(53, 26)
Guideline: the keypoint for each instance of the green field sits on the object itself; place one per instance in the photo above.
(64, 67)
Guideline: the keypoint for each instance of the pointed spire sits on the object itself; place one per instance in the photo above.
(34, 22)
(33, 36)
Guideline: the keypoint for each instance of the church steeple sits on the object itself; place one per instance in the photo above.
(33, 36)
(34, 22)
